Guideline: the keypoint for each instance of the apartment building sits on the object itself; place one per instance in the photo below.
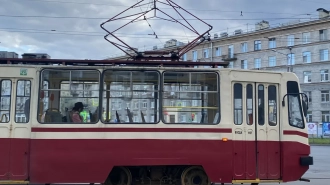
(301, 47)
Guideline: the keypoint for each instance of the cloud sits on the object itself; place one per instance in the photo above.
(83, 38)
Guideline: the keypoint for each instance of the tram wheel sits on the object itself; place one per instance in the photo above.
(119, 176)
(194, 175)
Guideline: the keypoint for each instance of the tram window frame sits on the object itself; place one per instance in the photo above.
(293, 88)
(248, 118)
(2, 116)
(83, 96)
(261, 109)
(49, 90)
(238, 95)
(217, 113)
(275, 107)
(27, 120)
(137, 90)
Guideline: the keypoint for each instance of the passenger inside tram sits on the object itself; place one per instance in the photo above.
(75, 115)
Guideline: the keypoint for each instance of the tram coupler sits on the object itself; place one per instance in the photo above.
(305, 180)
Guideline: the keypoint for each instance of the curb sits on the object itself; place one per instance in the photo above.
(319, 144)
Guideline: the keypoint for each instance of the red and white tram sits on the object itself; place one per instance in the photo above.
(147, 125)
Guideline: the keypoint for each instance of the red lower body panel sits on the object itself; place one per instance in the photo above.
(14, 159)
(84, 161)
(4, 158)
(291, 153)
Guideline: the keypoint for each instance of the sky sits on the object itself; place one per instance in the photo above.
(70, 29)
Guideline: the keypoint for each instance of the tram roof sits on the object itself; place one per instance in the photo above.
(71, 62)
(60, 63)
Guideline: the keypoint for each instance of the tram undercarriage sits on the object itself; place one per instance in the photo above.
(160, 175)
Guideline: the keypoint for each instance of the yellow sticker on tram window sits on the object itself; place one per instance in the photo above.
(23, 72)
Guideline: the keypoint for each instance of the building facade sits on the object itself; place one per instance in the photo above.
(6, 54)
(299, 47)
(35, 56)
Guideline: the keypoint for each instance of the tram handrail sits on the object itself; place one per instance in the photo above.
(2, 116)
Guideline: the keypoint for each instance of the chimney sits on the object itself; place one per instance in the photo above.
(323, 13)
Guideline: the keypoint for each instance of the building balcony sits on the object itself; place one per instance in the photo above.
(228, 58)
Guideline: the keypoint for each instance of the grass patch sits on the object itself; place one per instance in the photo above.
(319, 140)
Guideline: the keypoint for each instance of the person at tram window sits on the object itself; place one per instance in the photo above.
(75, 114)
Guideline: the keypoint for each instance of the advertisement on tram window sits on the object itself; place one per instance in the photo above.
(326, 129)
(312, 128)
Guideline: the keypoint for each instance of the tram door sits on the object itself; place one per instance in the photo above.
(244, 131)
(14, 128)
(267, 131)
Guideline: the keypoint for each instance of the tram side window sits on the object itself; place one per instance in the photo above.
(69, 96)
(5, 103)
(249, 104)
(191, 97)
(238, 104)
(23, 95)
(272, 105)
(294, 105)
(261, 105)
(130, 96)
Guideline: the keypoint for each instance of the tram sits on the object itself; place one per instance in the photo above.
(149, 124)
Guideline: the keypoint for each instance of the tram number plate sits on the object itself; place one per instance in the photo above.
(23, 72)
(238, 132)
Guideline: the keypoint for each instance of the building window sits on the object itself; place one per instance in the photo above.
(194, 103)
(307, 76)
(309, 95)
(324, 75)
(244, 64)
(324, 96)
(309, 116)
(194, 54)
(244, 47)
(325, 116)
(152, 105)
(272, 61)
(183, 118)
(136, 105)
(307, 57)
(272, 43)
(291, 59)
(290, 40)
(231, 51)
(145, 104)
(257, 45)
(323, 35)
(306, 38)
(218, 51)
(135, 119)
(231, 65)
(324, 54)
(206, 53)
(257, 63)
(184, 57)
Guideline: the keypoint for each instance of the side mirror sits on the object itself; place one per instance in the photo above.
(305, 107)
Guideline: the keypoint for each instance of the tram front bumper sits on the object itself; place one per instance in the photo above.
(306, 161)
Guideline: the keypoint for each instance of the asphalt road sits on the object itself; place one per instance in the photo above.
(319, 173)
